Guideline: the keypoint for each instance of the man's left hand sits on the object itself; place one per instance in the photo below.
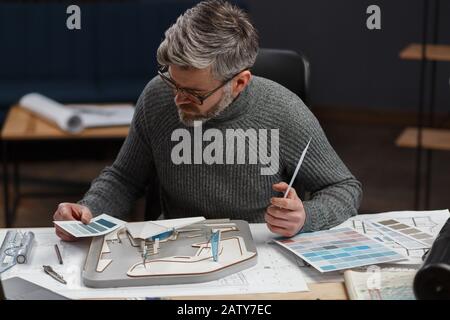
(285, 216)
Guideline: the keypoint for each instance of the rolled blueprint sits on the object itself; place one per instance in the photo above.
(25, 247)
(65, 118)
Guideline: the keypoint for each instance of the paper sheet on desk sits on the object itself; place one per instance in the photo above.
(104, 115)
(274, 272)
(428, 221)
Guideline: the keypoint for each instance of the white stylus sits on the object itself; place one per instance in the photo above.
(296, 169)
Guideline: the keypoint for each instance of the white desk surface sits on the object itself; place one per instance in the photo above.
(278, 271)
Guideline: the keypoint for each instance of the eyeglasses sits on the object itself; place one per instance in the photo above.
(190, 94)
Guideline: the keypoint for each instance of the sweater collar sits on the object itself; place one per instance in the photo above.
(238, 107)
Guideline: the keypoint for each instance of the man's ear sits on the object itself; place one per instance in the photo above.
(240, 82)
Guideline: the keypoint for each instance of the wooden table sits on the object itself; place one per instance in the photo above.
(21, 126)
(318, 291)
(431, 138)
(436, 52)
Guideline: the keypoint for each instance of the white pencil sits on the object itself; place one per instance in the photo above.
(296, 169)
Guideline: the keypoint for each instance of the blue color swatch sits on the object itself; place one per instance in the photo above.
(339, 249)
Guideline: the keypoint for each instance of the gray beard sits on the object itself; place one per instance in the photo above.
(226, 100)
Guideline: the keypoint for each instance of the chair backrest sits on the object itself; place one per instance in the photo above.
(288, 68)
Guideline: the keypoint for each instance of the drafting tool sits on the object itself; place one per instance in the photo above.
(300, 161)
(52, 273)
(7, 260)
(58, 254)
(25, 246)
(15, 248)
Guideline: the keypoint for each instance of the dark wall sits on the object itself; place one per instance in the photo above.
(113, 56)
(351, 65)
(110, 59)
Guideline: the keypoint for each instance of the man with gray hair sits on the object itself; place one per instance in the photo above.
(205, 81)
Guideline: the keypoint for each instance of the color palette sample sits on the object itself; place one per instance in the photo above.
(98, 226)
(339, 249)
(414, 234)
(388, 234)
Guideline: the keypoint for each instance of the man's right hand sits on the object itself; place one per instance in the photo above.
(70, 211)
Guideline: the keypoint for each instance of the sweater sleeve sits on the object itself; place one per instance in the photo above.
(117, 188)
(335, 193)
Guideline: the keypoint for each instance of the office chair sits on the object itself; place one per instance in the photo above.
(291, 70)
(286, 67)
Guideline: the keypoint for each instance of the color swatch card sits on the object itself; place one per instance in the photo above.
(389, 235)
(339, 249)
(98, 226)
(403, 232)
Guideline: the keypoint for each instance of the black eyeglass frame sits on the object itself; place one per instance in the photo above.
(200, 97)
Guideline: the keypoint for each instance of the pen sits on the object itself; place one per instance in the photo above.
(58, 254)
(297, 168)
(48, 270)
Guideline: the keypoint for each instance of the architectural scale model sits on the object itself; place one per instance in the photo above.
(172, 251)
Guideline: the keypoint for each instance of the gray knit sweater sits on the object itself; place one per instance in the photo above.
(236, 191)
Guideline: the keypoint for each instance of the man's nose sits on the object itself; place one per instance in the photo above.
(180, 98)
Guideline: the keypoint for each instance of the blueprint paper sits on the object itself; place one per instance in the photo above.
(75, 118)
